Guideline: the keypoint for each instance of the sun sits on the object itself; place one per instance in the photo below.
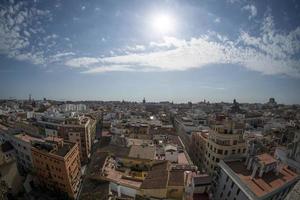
(163, 23)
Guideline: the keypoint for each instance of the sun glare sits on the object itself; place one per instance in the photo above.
(163, 23)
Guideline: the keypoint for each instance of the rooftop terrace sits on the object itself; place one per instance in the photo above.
(110, 173)
(52, 148)
(261, 186)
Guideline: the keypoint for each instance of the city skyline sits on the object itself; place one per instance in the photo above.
(162, 50)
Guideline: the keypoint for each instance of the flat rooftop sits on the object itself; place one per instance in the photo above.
(28, 138)
(157, 177)
(261, 186)
(63, 150)
(142, 151)
(54, 149)
(111, 174)
(266, 159)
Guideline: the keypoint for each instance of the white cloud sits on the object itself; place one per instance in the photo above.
(235, 1)
(169, 42)
(36, 58)
(59, 56)
(271, 52)
(26, 33)
(217, 20)
(136, 48)
(251, 9)
(109, 68)
(18, 23)
(81, 62)
(64, 54)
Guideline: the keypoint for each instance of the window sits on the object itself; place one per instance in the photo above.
(226, 152)
(233, 151)
(228, 194)
(227, 179)
(239, 150)
(221, 195)
(220, 151)
(217, 159)
(238, 191)
(232, 184)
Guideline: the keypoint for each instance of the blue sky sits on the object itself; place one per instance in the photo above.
(114, 50)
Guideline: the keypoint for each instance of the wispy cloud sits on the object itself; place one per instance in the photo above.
(82, 62)
(110, 68)
(251, 9)
(217, 20)
(271, 52)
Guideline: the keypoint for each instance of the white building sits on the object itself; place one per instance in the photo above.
(260, 177)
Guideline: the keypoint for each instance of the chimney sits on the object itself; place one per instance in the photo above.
(261, 171)
(254, 171)
(279, 166)
(186, 175)
(247, 159)
(249, 163)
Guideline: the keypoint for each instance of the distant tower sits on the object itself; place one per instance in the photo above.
(272, 101)
(235, 107)
(144, 100)
(29, 97)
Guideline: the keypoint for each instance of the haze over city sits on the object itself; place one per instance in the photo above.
(162, 50)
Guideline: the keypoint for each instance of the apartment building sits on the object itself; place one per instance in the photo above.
(259, 178)
(224, 140)
(78, 130)
(198, 148)
(21, 143)
(57, 165)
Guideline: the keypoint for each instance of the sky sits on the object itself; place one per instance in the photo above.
(163, 50)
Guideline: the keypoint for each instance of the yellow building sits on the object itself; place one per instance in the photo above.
(79, 130)
(198, 148)
(57, 165)
(225, 140)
